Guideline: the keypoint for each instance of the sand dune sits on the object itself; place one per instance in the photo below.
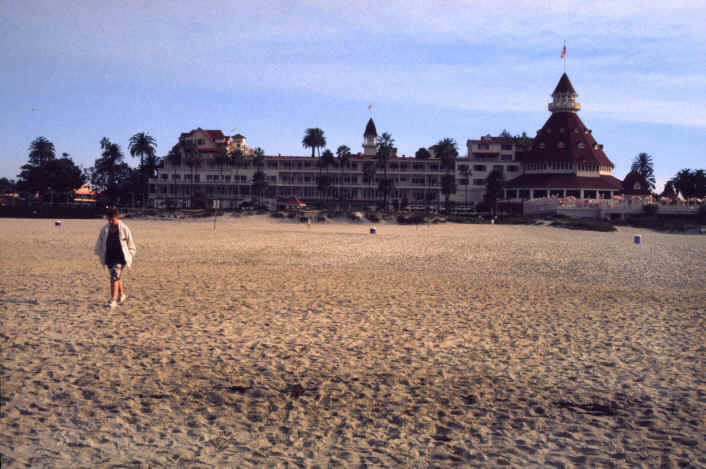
(269, 344)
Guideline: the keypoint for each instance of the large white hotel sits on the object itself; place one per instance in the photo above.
(562, 160)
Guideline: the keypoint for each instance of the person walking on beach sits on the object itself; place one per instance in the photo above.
(115, 248)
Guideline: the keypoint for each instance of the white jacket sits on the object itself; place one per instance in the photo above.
(126, 243)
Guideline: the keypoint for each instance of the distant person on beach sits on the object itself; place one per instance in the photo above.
(115, 248)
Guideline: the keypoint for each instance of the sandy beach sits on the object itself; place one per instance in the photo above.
(267, 344)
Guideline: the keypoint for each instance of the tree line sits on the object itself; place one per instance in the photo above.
(53, 179)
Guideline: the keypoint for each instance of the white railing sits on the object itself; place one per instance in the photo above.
(618, 205)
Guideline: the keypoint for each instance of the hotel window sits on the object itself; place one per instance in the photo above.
(479, 182)
(513, 168)
(484, 146)
(434, 167)
(479, 167)
(176, 177)
(560, 144)
(542, 146)
(165, 176)
(499, 168)
(505, 157)
(506, 146)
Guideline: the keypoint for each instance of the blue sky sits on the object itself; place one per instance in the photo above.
(76, 71)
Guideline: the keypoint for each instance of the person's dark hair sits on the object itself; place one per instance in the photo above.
(112, 212)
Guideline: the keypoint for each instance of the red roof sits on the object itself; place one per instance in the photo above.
(370, 129)
(208, 149)
(565, 181)
(635, 184)
(565, 128)
(564, 85)
(215, 135)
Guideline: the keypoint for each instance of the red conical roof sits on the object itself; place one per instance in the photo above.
(370, 129)
(564, 138)
(564, 85)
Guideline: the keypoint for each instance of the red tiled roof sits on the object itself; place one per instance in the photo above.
(564, 85)
(215, 134)
(565, 181)
(208, 149)
(574, 133)
(370, 129)
(630, 182)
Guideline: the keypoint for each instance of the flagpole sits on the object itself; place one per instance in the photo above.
(564, 56)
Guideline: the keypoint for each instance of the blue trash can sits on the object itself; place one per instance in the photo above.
(372, 230)
(638, 239)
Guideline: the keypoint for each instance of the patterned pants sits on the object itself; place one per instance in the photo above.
(115, 270)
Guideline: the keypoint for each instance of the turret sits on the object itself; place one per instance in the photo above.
(564, 97)
(369, 139)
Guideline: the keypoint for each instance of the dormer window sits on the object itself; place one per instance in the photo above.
(542, 146)
(581, 146)
(560, 144)
(576, 130)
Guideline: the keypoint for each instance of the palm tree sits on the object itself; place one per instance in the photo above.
(447, 152)
(220, 159)
(174, 155)
(369, 171)
(643, 165)
(324, 162)
(385, 151)
(344, 155)
(193, 160)
(107, 167)
(41, 150)
(259, 158)
(236, 157)
(466, 173)
(494, 190)
(323, 184)
(144, 145)
(259, 185)
(314, 139)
